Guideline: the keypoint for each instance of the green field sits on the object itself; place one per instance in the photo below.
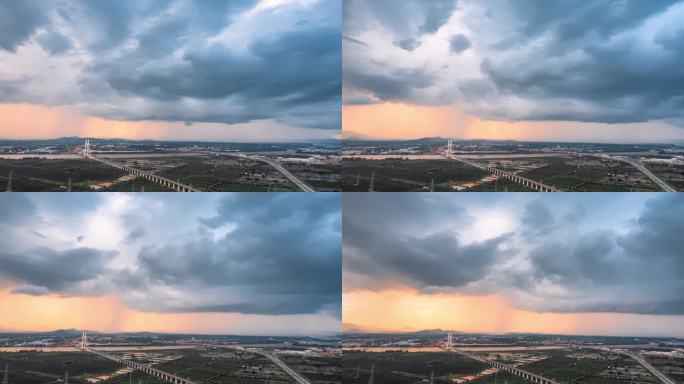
(35, 175)
(50, 367)
(570, 177)
(397, 175)
(406, 367)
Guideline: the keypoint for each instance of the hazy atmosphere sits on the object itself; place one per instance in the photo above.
(225, 263)
(171, 69)
(606, 264)
(606, 71)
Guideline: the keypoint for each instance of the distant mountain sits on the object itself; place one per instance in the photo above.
(353, 136)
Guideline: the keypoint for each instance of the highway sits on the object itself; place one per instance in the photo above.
(661, 376)
(640, 167)
(298, 378)
(651, 368)
(662, 184)
(296, 181)
(303, 186)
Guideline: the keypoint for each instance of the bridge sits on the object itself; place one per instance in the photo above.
(175, 185)
(508, 175)
(171, 378)
(527, 375)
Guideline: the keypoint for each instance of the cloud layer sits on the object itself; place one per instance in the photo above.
(265, 254)
(176, 60)
(555, 253)
(598, 61)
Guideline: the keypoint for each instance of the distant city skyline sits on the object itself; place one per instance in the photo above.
(595, 72)
(577, 264)
(174, 70)
(171, 263)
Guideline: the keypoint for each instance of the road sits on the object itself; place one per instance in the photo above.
(662, 184)
(642, 361)
(640, 167)
(651, 368)
(303, 186)
(298, 378)
(296, 181)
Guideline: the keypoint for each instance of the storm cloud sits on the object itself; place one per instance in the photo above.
(177, 60)
(598, 61)
(265, 254)
(550, 256)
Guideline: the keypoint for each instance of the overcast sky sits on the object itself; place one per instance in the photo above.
(217, 69)
(235, 263)
(570, 254)
(611, 65)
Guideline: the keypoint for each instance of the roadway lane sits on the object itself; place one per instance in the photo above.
(298, 378)
(651, 368)
(303, 186)
(662, 184)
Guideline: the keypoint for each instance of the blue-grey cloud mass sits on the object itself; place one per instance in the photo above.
(263, 254)
(591, 61)
(561, 253)
(212, 61)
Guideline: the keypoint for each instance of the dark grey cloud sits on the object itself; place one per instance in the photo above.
(598, 61)
(163, 60)
(408, 44)
(459, 43)
(16, 209)
(389, 84)
(31, 290)
(384, 240)
(554, 260)
(644, 266)
(135, 234)
(54, 270)
(55, 43)
(282, 256)
(212, 73)
(19, 20)
(268, 254)
(585, 60)
(411, 18)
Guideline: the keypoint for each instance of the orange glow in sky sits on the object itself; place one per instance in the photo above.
(408, 310)
(109, 314)
(406, 121)
(29, 121)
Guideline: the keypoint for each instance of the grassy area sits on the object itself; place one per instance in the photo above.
(49, 367)
(36, 175)
(397, 175)
(565, 369)
(567, 176)
(406, 367)
(203, 369)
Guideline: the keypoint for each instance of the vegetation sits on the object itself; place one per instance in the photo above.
(406, 367)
